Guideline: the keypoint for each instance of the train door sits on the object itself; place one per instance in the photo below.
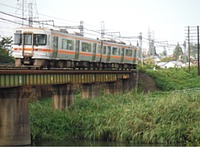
(94, 52)
(55, 46)
(27, 47)
(77, 49)
(27, 44)
(122, 55)
(108, 54)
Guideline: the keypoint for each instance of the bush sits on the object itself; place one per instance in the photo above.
(5, 58)
(175, 78)
(154, 118)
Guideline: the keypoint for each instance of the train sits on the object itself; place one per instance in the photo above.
(50, 48)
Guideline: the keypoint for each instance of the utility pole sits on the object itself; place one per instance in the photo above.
(184, 54)
(149, 38)
(22, 4)
(81, 28)
(189, 46)
(198, 49)
(21, 8)
(22, 12)
(30, 11)
(102, 29)
(141, 54)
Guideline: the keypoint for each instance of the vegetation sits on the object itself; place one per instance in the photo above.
(175, 78)
(4, 53)
(5, 58)
(177, 52)
(154, 118)
(167, 59)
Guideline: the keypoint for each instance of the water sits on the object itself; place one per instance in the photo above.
(78, 143)
(94, 143)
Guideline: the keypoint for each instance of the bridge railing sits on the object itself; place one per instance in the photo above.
(15, 78)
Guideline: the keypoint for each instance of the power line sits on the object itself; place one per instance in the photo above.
(10, 21)
(51, 23)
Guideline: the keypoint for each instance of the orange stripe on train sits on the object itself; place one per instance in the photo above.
(35, 49)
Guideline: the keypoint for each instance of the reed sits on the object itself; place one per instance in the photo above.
(175, 79)
(133, 118)
(169, 118)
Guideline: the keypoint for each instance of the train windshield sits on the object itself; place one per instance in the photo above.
(27, 39)
(17, 39)
(38, 39)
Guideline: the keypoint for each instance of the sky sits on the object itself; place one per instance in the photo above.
(165, 19)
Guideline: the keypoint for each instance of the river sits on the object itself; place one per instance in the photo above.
(79, 143)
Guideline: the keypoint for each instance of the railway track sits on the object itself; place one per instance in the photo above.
(64, 71)
(11, 69)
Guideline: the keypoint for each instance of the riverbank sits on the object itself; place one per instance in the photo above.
(169, 117)
(154, 118)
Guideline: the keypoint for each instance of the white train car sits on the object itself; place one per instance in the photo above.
(31, 46)
(40, 47)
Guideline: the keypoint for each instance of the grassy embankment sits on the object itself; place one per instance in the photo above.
(158, 117)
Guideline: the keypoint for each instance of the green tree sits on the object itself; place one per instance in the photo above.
(177, 52)
(5, 41)
(4, 53)
(167, 59)
(164, 53)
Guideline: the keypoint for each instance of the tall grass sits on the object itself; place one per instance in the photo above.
(175, 78)
(167, 118)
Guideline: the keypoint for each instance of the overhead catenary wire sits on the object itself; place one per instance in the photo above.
(93, 31)
(10, 21)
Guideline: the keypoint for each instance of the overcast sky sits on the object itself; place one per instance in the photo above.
(166, 19)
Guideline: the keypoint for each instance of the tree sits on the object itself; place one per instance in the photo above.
(164, 53)
(4, 53)
(5, 41)
(177, 52)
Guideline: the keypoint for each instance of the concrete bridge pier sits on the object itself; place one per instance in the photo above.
(109, 88)
(120, 85)
(14, 116)
(63, 96)
(126, 85)
(130, 83)
(90, 90)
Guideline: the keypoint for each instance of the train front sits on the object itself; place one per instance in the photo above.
(31, 47)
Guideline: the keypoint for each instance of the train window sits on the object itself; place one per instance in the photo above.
(67, 44)
(104, 49)
(64, 43)
(40, 39)
(129, 52)
(27, 39)
(70, 44)
(86, 47)
(114, 51)
(17, 39)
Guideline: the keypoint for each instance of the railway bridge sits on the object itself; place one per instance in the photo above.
(16, 86)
